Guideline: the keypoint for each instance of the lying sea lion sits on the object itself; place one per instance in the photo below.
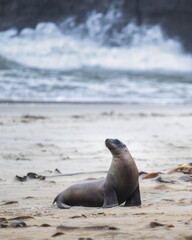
(120, 185)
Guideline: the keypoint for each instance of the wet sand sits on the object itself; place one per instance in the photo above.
(40, 138)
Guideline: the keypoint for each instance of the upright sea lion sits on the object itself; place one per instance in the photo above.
(120, 185)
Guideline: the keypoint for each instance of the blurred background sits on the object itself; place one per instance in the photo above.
(132, 51)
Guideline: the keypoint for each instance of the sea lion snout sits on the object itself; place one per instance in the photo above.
(115, 146)
(113, 143)
(109, 144)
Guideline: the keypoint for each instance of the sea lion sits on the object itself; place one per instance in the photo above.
(120, 185)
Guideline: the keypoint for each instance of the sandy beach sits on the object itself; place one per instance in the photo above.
(40, 138)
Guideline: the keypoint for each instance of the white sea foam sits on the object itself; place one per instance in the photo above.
(94, 62)
(47, 47)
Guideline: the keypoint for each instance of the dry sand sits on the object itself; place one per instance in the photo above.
(40, 138)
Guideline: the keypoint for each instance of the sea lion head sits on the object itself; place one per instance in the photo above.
(115, 146)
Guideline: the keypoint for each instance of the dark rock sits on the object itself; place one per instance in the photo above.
(186, 178)
(16, 224)
(175, 17)
(10, 202)
(3, 225)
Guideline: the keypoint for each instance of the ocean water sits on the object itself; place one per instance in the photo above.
(73, 62)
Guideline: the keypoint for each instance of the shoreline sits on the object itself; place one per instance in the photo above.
(65, 108)
(92, 103)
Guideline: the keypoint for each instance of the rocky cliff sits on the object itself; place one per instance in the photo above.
(175, 16)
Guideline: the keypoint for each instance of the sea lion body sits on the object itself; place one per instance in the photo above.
(120, 185)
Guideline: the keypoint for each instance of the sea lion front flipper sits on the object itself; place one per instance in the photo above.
(110, 196)
(135, 199)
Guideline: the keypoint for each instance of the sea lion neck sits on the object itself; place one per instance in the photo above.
(122, 152)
